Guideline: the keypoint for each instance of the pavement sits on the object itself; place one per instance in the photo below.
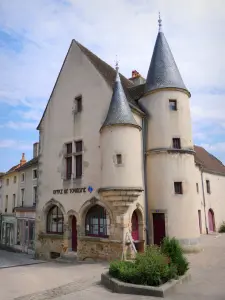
(51, 280)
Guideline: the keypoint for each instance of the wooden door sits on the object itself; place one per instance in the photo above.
(159, 227)
(211, 220)
(74, 234)
(200, 221)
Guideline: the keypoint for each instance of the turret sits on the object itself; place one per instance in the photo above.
(170, 155)
(121, 152)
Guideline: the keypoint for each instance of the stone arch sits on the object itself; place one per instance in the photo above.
(87, 206)
(72, 212)
(48, 205)
(137, 215)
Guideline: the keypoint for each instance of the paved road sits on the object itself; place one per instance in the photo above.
(11, 259)
(81, 282)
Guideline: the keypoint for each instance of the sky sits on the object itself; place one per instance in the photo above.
(35, 36)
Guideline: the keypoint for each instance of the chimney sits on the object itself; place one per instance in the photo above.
(137, 78)
(23, 160)
(35, 149)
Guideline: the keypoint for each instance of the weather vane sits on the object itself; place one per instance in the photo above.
(160, 22)
(117, 64)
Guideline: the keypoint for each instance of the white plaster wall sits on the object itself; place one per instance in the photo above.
(127, 141)
(59, 126)
(165, 124)
(28, 185)
(181, 209)
(9, 190)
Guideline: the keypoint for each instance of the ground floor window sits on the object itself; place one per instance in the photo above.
(55, 220)
(96, 222)
(25, 233)
(7, 234)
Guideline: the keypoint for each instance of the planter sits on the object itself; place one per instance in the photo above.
(120, 287)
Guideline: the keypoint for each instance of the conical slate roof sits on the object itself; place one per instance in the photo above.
(163, 71)
(119, 112)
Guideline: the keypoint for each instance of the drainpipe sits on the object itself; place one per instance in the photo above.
(144, 137)
(203, 194)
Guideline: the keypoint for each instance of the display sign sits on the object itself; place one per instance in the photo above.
(73, 190)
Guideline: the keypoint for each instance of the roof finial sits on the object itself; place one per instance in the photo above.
(117, 64)
(160, 23)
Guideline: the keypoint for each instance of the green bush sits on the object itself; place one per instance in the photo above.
(149, 268)
(222, 228)
(172, 248)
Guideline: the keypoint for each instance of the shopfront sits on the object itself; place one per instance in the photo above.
(8, 231)
(25, 230)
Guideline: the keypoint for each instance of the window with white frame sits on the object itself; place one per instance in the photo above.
(6, 203)
(22, 196)
(14, 179)
(73, 159)
(35, 174)
(7, 181)
(22, 177)
(13, 202)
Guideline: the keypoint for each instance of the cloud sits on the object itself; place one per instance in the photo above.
(20, 145)
(34, 45)
(19, 125)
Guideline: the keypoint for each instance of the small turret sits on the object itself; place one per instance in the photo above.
(119, 112)
(23, 160)
(163, 71)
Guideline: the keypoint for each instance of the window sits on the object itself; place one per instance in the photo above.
(197, 188)
(208, 187)
(68, 161)
(119, 159)
(6, 203)
(35, 174)
(34, 195)
(22, 177)
(22, 197)
(79, 146)
(96, 221)
(78, 101)
(7, 181)
(173, 105)
(176, 143)
(55, 220)
(14, 179)
(178, 188)
(14, 201)
(78, 158)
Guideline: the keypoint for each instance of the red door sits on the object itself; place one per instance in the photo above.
(74, 234)
(200, 221)
(159, 227)
(134, 221)
(211, 220)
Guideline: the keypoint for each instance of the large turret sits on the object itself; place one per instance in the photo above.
(170, 155)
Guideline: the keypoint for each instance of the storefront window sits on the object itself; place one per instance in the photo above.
(55, 220)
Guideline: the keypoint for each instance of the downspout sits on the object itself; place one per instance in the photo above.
(203, 194)
(144, 138)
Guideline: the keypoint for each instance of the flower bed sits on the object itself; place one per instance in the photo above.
(154, 267)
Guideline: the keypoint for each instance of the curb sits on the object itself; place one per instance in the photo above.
(162, 291)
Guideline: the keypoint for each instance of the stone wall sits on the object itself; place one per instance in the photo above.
(48, 243)
(98, 248)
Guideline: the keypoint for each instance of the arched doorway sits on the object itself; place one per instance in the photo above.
(211, 220)
(135, 227)
(74, 233)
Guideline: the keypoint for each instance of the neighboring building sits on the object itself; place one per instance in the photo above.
(26, 205)
(1, 192)
(9, 202)
(117, 161)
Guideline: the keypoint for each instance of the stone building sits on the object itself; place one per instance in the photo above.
(117, 162)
